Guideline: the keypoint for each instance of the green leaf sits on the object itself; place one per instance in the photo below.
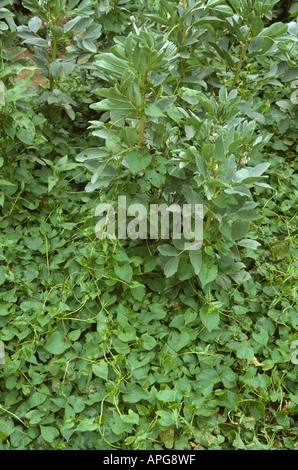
(207, 275)
(239, 230)
(159, 19)
(220, 7)
(74, 335)
(245, 351)
(171, 266)
(257, 25)
(131, 418)
(219, 150)
(56, 68)
(52, 181)
(167, 395)
(111, 64)
(262, 337)
(200, 162)
(49, 433)
(290, 75)
(129, 334)
(56, 343)
(223, 281)
(4, 12)
(257, 409)
(174, 114)
(148, 342)
(179, 340)
(138, 290)
(6, 183)
(87, 425)
(124, 272)
(134, 393)
(210, 318)
(3, 26)
(89, 45)
(92, 153)
(27, 137)
(155, 178)
(276, 29)
(34, 24)
(153, 111)
(68, 67)
(93, 31)
(34, 243)
(37, 399)
(130, 136)
(4, 310)
(195, 257)
(116, 101)
(138, 160)
(212, 20)
(167, 250)
(101, 369)
(248, 243)
(224, 55)
(71, 24)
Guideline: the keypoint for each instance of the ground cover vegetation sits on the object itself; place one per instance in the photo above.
(141, 344)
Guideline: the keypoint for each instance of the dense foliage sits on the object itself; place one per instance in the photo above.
(142, 344)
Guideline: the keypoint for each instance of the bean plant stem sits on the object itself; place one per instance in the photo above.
(143, 86)
(143, 116)
(242, 57)
(184, 33)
